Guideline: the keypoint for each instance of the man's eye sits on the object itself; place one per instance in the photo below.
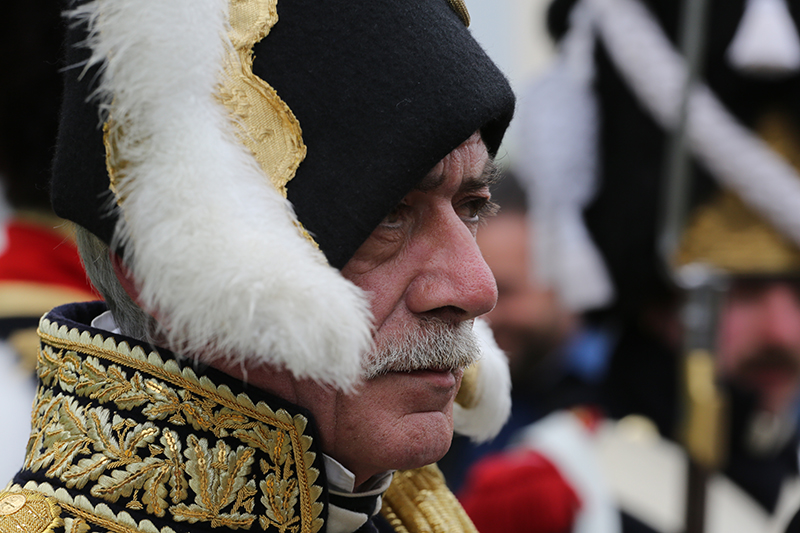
(395, 217)
(476, 209)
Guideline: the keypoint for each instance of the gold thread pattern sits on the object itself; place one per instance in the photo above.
(418, 501)
(88, 434)
(81, 515)
(266, 125)
(728, 234)
(112, 161)
(460, 7)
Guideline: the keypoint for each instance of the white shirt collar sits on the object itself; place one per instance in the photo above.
(106, 322)
(343, 481)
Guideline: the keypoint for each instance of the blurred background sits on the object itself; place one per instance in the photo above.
(648, 268)
(39, 264)
(652, 324)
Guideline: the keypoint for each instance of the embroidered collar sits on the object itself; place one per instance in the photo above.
(123, 435)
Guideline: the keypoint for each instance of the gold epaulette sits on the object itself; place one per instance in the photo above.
(28, 511)
(418, 501)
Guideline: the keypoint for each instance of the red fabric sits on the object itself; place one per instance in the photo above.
(35, 253)
(590, 416)
(519, 491)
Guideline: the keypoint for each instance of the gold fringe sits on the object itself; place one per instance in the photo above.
(418, 501)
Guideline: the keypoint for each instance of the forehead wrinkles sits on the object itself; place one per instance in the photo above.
(468, 162)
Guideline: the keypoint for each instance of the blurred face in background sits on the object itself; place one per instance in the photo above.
(759, 344)
(528, 321)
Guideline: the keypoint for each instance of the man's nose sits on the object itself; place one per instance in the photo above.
(781, 318)
(454, 282)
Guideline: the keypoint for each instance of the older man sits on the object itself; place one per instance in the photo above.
(305, 357)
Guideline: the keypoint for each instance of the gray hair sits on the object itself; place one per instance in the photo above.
(131, 319)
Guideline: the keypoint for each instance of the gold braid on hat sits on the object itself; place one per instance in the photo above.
(729, 235)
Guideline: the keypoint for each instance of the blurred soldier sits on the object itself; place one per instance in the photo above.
(279, 206)
(609, 106)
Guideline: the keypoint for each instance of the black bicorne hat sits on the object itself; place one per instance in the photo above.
(382, 91)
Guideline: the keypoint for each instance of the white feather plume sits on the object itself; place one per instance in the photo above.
(493, 406)
(558, 167)
(766, 42)
(212, 244)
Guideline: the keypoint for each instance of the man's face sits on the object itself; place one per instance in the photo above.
(528, 321)
(426, 280)
(760, 340)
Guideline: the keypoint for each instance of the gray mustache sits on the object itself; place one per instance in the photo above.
(430, 344)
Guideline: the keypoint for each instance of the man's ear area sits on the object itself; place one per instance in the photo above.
(125, 277)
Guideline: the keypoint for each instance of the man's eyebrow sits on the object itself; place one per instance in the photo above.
(490, 175)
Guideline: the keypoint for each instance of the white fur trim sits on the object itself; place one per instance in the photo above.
(212, 243)
(484, 421)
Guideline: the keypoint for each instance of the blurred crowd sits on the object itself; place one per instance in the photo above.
(598, 308)
(594, 309)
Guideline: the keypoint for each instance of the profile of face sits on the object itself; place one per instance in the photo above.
(529, 320)
(759, 341)
(427, 281)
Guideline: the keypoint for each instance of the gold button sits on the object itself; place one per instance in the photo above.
(11, 504)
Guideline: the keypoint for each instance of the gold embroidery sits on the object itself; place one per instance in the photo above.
(218, 479)
(77, 525)
(80, 513)
(266, 124)
(150, 467)
(151, 475)
(419, 501)
(112, 162)
(728, 234)
(11, 503)
(23, 510)
(460, 7)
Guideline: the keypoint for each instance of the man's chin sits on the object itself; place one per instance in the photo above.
(435, 434)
